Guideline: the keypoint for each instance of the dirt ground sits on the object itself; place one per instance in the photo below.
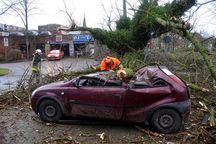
(20, 125)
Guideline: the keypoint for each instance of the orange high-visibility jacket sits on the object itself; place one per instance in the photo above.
(104, 66)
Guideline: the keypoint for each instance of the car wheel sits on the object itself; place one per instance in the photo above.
(49, 111)
(166, 121)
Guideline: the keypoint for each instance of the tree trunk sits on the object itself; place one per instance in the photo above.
(26, 29)
(203, 51)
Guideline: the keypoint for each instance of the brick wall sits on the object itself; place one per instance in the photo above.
(15, 42)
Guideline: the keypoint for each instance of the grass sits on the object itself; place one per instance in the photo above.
(4, 71)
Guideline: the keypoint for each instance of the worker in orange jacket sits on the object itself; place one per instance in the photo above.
(110, 63)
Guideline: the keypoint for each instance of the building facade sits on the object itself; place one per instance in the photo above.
(18, 44)
(10, 28)
(53, 28)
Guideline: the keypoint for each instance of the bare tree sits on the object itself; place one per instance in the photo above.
(24, 9)
(69, 14)
(6, 5)
(108, 18)
(112, 14)
(214, 7)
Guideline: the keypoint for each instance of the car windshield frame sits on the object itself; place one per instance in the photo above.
(89, 82)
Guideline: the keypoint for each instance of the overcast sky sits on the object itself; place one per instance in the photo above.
(204, 20)
(49, 12)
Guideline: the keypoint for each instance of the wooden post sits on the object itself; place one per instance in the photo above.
(6, 59)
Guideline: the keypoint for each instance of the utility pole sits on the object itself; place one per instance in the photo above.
(124, 9)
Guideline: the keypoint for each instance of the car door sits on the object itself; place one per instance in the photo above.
(109, 102)
(81, 99)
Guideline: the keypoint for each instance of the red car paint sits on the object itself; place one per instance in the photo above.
(135, 101)
(55, 55)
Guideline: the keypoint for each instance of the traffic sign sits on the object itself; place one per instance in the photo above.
(5, 41)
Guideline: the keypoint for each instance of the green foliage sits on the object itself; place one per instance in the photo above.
(123, 23)
(133, 60)
(99, 34)
(144, 22)
(119, 40)
(177, 8)
(136, 33)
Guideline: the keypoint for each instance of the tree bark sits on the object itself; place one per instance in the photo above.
(124, 9)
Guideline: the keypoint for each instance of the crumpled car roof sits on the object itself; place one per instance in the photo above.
(105, 75)
(146, 74)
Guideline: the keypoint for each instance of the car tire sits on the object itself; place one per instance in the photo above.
(49, 111)
(166, 121)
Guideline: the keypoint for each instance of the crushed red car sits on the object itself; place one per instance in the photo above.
(55, 55)
(154, 96)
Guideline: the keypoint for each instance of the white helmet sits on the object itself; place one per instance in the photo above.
(38, 51)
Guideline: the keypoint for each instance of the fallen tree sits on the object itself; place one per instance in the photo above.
(181, 29)
(142, 27)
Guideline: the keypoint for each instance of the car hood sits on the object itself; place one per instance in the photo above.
(53, 54)
(53, 85)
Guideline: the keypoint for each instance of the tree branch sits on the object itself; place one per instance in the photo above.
(198, 45)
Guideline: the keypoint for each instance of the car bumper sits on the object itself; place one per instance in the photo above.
(53, 58)
(182, 107)
(34, 104)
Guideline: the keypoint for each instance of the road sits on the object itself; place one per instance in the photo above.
(20, 69)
